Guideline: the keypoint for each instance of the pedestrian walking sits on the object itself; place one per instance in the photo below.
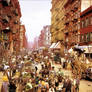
(74, 85)
(12, 86)
(36, 68)
(64, 85)
(77, 84)
(51, 89)
(69, 85)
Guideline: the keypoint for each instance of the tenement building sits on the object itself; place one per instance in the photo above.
(45, 37)
(72, 22)
(10, 24)
(73, 9)
(86, 27)
(57, 22)
(23, 39)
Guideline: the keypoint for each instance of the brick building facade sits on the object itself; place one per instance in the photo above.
(86, 27)
(23, 39)
(65, 21)
(57, 22)
(72, 22)
(10, 24)
(44, 39)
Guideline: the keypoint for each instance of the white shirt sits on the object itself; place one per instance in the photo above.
(51, 90)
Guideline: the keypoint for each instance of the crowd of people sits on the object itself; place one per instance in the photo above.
(48, 80)
(41, 76)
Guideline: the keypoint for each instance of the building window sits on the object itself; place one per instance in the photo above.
(85, 38)
(82, 38)
(86, 22)
(88, 37)
(82, 24)
(78, 26)
(78, 40)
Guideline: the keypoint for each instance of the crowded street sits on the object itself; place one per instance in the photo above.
(40, 73)
(45, 45)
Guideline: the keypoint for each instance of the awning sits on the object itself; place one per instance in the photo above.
(52, 46)
(57, 45)
(88, 50)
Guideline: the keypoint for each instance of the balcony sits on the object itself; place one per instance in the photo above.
(72, 11)
(75, 26)
(9, 16)
(75, 8)
(7, 30)
(68, 9)
(67, 23)
(75, 5)
(67, 15)
(5, 19)
(66, 33)
(75, 20)
(71, 1)
(15, 22)
(56, 9)
(57, 19)
(15, 12)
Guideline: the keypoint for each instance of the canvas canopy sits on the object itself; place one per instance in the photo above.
(58, 45)
(52, 46)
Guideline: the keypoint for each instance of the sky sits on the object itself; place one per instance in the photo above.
(35, 15)
(85, 4)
